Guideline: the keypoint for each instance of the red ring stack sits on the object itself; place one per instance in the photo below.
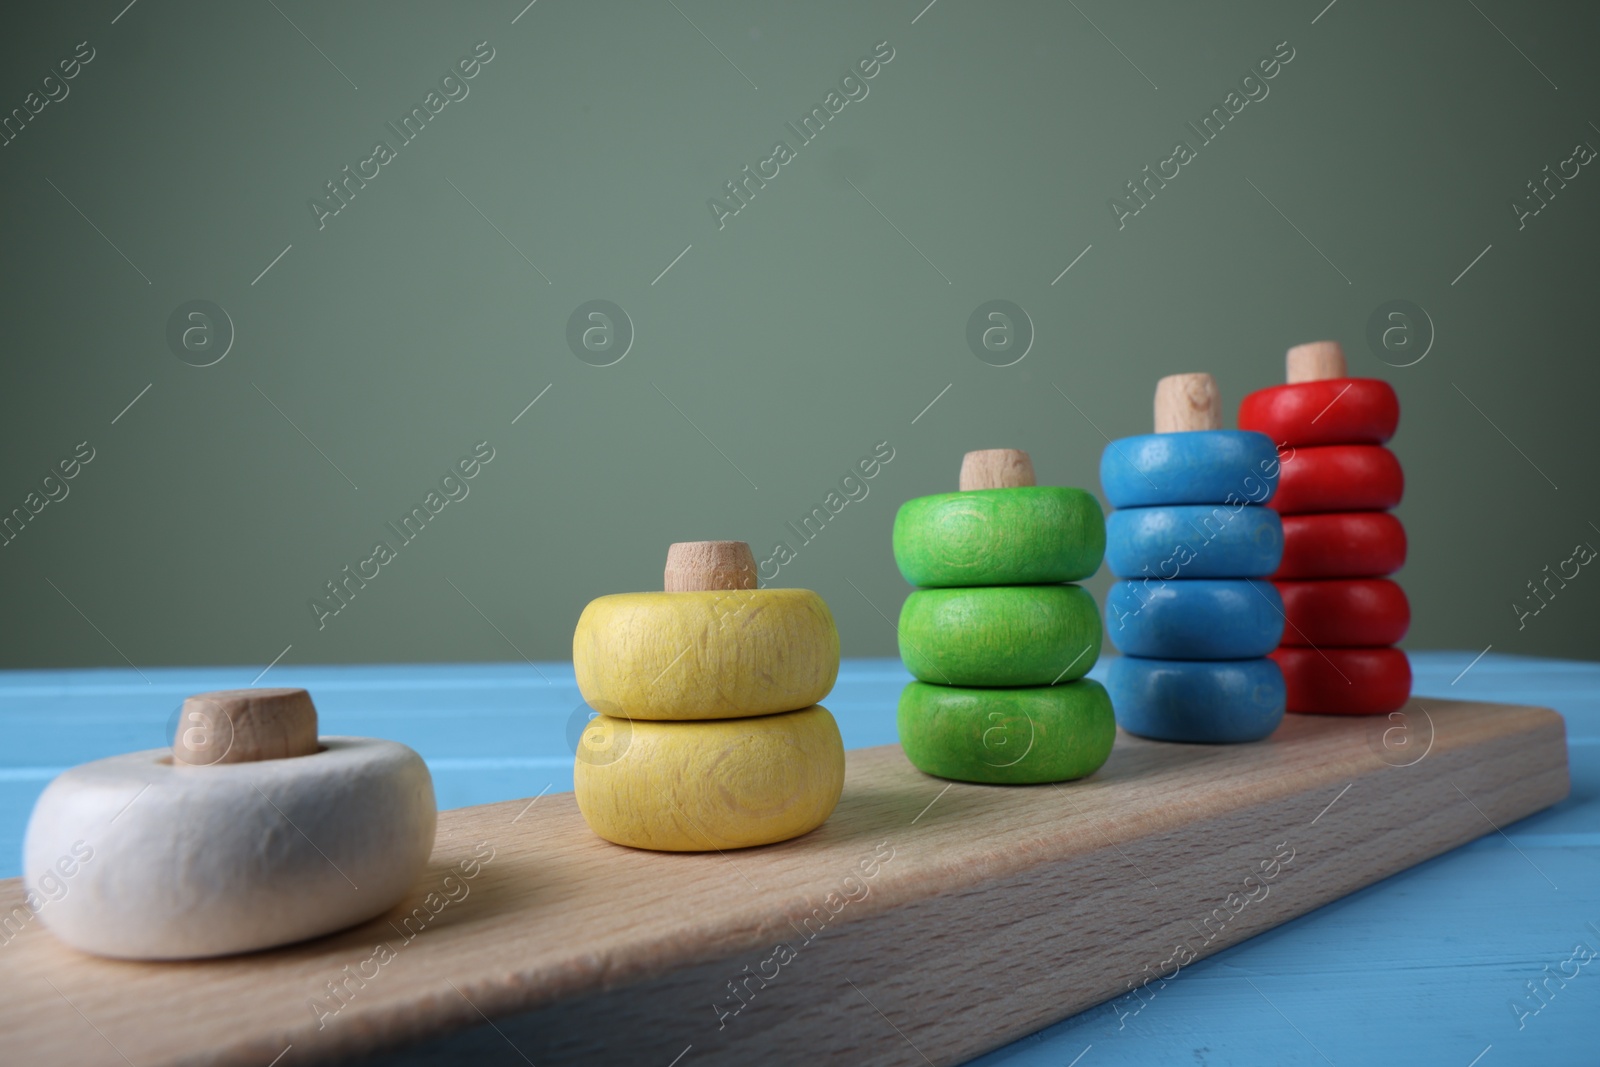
(1336, 484)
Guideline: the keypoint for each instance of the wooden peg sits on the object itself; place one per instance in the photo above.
(1188, 402)
(1314, 362)
(996, 468)
(703, 565)
(243, 726)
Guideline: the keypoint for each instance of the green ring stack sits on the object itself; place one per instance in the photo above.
(996, 636)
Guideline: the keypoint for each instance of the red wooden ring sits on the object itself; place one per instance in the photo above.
(1342, 544)
(1345, 681)
(1337, 478)
(1344, 612)
(1332, 411)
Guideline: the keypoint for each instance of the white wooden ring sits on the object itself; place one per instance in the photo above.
(174, 862)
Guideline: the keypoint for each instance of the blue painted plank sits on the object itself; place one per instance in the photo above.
(1422, 968)
(1426, 967)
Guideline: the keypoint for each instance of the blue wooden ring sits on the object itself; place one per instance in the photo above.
(1194, 541)
(1201, 703)
(1193, 467)
(1200, 618)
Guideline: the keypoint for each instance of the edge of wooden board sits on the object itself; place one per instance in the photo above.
(926, 921)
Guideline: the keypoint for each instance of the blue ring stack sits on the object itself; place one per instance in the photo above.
(1191, 540)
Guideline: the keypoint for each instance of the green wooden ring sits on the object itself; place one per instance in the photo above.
(1007, 635)
(1050, 733)
(1028, 535)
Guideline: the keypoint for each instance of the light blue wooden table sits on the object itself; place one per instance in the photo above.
(1424, 968)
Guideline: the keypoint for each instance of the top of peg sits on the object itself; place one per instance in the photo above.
(1188, 402)
(1314, 362)
(695, 566)
(996, 468)
(243, 726)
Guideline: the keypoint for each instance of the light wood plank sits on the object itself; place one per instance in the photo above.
(1001, 910)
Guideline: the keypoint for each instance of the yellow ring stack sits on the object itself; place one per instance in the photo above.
(708, 733)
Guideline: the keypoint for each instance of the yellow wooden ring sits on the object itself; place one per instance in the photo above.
(699, 786)
(718, 654)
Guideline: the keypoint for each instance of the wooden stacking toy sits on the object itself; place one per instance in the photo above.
(249, 832)
(1340, 543)
(1191, 539)
(998, 641)
(708, 734)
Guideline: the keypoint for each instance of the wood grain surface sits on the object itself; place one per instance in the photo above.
(924, 923)
(1186, 402)
(996, 468)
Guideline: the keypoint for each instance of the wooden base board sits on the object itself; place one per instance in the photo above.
(925, 922)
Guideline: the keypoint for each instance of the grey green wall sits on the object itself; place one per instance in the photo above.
(781, 347)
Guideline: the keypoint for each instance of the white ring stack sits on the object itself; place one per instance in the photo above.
(188, 861)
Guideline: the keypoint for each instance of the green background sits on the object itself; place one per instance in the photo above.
(778, 350)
